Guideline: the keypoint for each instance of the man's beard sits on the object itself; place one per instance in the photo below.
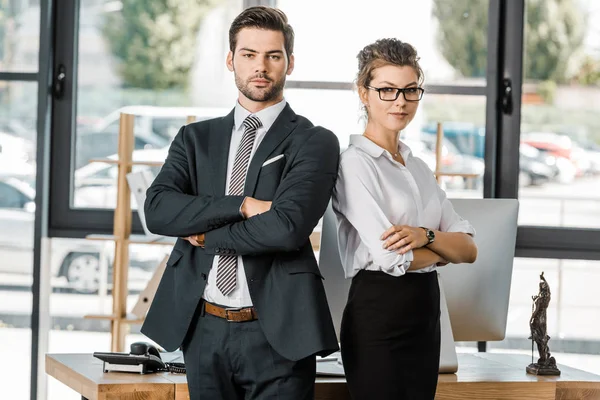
(260, 95)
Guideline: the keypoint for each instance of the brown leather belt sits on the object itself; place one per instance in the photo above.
(231, 314)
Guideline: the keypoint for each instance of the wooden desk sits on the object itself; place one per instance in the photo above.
(482, 376)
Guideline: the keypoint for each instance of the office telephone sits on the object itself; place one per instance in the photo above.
(142, 358)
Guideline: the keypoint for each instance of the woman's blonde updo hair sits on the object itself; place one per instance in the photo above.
(386, 52)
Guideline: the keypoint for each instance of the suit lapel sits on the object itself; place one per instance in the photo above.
(220, 141)
(283, 126)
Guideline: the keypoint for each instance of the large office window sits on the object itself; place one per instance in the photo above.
(127, 63)
(559, 141)
(19, 35)
(560, 129)
(17, 218)
(321, 86)
(153, 63)
(19, 48)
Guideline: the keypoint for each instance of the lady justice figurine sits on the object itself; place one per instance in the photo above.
(546, 365)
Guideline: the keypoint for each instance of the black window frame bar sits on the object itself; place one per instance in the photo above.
(64, 220)
(40, 279)
(474, 90)
(39, 320)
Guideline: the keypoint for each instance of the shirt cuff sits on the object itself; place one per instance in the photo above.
(240, 210)
(409, 259)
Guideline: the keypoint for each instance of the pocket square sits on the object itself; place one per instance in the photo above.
(272, 160)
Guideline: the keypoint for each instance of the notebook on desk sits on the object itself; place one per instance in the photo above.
(330, 365)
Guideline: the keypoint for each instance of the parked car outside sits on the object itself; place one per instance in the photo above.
(78, 260)
(163, 121)
(16, 147)
(96, 183)
(455, 162)
(561, 147)
(468, 137)
(535, 167)
(101, 144)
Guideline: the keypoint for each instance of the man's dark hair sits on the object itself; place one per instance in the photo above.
(262, 17)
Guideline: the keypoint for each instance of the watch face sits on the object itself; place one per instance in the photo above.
(430, 235)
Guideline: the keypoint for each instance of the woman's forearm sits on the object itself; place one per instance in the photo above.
(454, 247)
(423, 258)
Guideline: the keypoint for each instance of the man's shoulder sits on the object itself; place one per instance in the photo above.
(204, 126)
(307, 128)
(206, 123)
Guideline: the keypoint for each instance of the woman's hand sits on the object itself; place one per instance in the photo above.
(403, 238)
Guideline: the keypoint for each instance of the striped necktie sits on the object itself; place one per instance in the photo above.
(227, 265)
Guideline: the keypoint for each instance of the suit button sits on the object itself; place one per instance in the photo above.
(230, 251)
(204, 276)
(217, 250)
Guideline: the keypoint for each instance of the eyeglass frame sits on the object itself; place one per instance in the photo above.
(398, 91)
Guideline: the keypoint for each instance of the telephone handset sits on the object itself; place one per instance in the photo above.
(143, 358)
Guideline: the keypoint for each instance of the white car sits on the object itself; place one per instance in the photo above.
(163, 121)
(16, 147)
(76, 259)
(11, 167)
(96, 183)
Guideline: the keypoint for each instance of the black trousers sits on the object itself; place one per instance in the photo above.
(233, 360)
(390, 336)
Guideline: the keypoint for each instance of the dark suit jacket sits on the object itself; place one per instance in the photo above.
(284, 280)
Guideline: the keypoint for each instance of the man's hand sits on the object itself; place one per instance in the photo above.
(196, 240)
(252, 207)
(404, 238)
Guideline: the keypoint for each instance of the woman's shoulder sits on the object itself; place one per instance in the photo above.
(353, 154)
(421, 164)
(353, 159)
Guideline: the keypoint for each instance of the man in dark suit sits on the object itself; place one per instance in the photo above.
(242, 293)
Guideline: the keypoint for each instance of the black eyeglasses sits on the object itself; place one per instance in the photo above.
(391, 93)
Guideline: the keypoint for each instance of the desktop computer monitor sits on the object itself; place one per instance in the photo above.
(476, 294)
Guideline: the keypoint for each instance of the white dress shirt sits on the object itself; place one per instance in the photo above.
(374, 192)
(240, 297)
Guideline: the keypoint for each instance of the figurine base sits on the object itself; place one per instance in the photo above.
(536, 369)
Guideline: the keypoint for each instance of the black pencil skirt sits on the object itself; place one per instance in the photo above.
(390, 336)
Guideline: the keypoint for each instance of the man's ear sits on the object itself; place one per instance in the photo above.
(229, 61)
(290, 65)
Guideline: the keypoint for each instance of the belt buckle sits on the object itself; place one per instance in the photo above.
(227, 313)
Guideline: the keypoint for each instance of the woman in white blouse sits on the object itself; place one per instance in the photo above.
(395, 225)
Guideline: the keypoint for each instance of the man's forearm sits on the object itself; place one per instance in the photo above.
(170, 207)
(298, 204)
(175, 214)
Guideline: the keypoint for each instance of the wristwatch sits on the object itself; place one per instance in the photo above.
(429, 234)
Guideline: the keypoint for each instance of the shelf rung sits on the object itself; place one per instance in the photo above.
(136, 239)
(457, 174)
(113, 161)
(109, 317)
(129, 319)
